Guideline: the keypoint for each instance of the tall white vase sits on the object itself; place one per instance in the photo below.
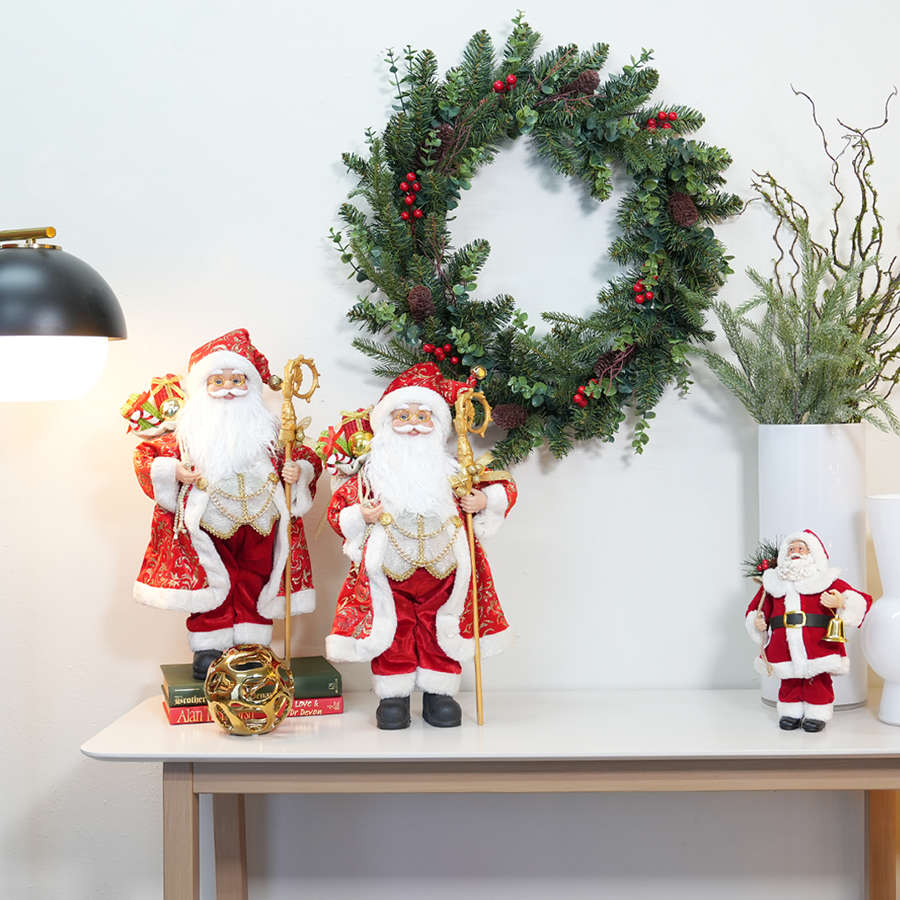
(881, 629)
(813, 476)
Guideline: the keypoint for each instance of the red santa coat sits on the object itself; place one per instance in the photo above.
(184, 572)
(365, 619)
(802, 652)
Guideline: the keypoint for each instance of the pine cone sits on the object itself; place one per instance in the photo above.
(421, 303)
(586, 83)
(445, 133)
(605, 362)
(509, 415)
(683, 210)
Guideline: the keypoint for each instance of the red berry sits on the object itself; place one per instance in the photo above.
(511, 80)
(666, 125)
(639, 298)
(648, 295)
(651, 123)
(576, 399)
(448, 348)
(638, 287)
(417, 213)
(765, 564)
(428, 348)
(661, 115)
(581, 389)
(499, 87)
(438, 353)
(409, 199)
(454, 360)
(673, 116)
(410, 176)
(405, 215)
(416, 186)
(404, 186)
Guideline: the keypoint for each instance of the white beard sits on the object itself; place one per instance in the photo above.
(797, 569)
(222, 437)
(411, 474)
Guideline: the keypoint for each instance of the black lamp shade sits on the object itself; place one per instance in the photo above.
(46, 291)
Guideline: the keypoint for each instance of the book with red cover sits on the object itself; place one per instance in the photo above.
(302, 706)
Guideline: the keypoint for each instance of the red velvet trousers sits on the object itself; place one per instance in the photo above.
(415, 645)
(247, 556)
(817, 690)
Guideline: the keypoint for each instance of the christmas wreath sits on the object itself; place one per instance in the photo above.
(576, 381)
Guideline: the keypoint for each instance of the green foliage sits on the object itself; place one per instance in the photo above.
(443, 132)
(824, 350)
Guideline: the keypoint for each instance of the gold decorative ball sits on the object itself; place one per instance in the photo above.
(359, 443)
(249, 690)
(171, 407)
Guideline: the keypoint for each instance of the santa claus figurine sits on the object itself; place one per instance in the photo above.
(222, 532)
(406, 605)
(793, 609)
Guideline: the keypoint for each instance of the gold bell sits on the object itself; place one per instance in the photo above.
(835, 632)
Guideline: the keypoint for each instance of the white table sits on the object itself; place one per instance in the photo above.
(579, 741)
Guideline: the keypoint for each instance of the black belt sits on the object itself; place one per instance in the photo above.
(800, 620)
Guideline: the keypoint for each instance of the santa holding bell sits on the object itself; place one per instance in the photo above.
(791, 613)
(407, 604)
(222, 532)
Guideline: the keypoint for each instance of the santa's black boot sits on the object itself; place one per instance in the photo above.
(392, 713)
(203, 660)
(441, 711)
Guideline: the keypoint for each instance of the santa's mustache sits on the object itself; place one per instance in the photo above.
(421, 427)
(233, 392)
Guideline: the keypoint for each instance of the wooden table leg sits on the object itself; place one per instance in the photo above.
(231, 846)
(883, 849)
(181, 833)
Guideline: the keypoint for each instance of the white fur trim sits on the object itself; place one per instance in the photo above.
(755, 636)
(353, 528)
(394, 685)
(220, 639)
(440, 412)
(854, 610)
(165, 485)
(438, 682)
(823, 712)
(487, 522)
(794, 710)
(816, 584)
(252, 633)
(301, 496)
(202, 600)
(807, 668)
(301, 602)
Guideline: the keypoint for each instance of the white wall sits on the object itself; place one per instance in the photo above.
(190, 151)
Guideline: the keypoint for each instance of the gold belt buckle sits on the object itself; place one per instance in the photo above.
(799, 624)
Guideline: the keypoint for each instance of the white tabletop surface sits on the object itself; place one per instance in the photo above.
(518, 726)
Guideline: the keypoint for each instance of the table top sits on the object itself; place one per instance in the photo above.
(572, 725)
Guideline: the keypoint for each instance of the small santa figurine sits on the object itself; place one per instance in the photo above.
(222, 532)
(406, 605)
(793, 609)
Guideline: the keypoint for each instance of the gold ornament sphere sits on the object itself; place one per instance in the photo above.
(359, 443)
(249, 690)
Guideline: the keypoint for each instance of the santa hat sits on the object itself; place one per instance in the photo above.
(230, 351)
(423, 384)
(816, 548)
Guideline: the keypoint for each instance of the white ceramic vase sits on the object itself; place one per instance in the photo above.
(881, 629)
(813, 476)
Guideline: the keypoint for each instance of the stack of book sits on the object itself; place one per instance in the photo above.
(317, 691)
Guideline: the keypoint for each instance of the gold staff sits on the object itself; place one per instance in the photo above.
(470, 471)
(289, 434)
